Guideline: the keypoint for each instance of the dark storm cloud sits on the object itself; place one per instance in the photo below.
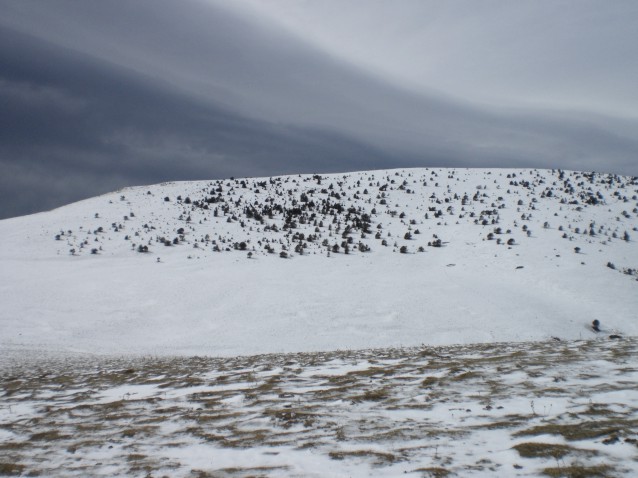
(67, 136)
(99, 95)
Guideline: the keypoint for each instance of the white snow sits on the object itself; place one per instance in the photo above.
(120, 364)
(225, 304)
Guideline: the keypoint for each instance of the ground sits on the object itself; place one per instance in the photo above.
(529, 409)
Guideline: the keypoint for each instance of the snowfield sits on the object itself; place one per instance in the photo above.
(202, 295)
(419, 322)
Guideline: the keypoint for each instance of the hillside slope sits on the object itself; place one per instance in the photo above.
(315, 262)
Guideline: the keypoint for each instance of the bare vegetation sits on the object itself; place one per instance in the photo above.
(498, 409)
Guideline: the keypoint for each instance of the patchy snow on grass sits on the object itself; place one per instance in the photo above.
(444, 411)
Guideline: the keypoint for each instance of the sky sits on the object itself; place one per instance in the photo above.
(95, 96)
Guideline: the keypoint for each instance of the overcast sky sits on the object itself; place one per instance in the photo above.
(95, 96)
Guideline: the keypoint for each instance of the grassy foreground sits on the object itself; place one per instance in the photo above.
(527, 409)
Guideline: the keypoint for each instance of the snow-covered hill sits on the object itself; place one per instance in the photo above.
(325, 262)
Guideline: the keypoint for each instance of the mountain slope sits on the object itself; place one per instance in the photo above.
(490, 256)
